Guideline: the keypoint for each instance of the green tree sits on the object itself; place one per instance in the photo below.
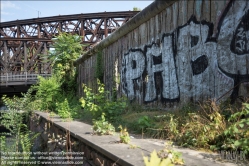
(67, 48)
(136, 9)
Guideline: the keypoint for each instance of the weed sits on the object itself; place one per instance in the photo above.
(132, 146)
(98, 103)
(168, 152)
(144, 122)
(52, 114)
(124, 135)
(47, 89)
(21, 139)
(157, 161)
(103, 127)
(237, 134)
(63, 109)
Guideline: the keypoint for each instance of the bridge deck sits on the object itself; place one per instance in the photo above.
(22, 42)
(20, 79)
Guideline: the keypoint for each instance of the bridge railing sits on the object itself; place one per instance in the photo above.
(9, 78)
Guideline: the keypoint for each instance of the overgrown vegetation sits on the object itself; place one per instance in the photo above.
(164, 157)
(63, 109)
(19, 138)
(98, 103)
(136, 9)
(56, 94)
(157, 161)
(168, 152)
(207, 125)
(124, 135)
(67, 48)
(103, 127)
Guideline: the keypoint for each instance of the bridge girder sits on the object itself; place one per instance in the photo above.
(23, 41)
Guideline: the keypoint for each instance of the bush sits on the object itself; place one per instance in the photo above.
(102, 126)
(99, 103)
(47, 89)
(63, 109)
(237, 134)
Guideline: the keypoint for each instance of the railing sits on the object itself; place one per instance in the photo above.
(26, 77)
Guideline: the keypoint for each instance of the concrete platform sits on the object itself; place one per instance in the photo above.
(124, 155)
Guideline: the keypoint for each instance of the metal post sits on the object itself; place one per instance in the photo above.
(39, 30)
(45, 58)
(25, 56)
(5, 52)
(7, 80)
(18, 31)
(26, 80)
(60, 26)
(82, 30)
(106, 30)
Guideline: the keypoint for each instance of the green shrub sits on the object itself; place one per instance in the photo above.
(144, 122)
(63, 109)
(99, 103)
(237, 134)
(68, 48)
(124, 135)
(21, 139)
(103, 127)
(202, 129)
(157, 161)
(46, 91)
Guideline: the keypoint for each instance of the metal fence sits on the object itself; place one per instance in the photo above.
(24, 78)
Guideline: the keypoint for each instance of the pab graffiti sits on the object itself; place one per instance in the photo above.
(191, 62)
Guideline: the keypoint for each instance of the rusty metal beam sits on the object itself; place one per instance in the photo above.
(121, 14)
(150, 11)
(22, 41)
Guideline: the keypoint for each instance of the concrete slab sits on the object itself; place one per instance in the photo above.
(124, 155)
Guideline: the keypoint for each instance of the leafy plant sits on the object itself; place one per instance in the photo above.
(25, 103)
(102, 126)
(168, 152)
(144, 122)
(99, 103)
(156, 161)
(21, 138)
(46, 91)
(67, 48)
(52, 114)
(237, 134)
(136, 9)
(124, 135)
(63, 109)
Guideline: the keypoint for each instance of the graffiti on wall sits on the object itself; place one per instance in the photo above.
(192, 62)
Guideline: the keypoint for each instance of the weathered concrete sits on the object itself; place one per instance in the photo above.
(105, 149)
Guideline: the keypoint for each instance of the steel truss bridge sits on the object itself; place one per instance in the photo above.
(23, 41)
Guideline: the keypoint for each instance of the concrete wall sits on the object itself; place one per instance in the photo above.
(58, 140)
(189, 51)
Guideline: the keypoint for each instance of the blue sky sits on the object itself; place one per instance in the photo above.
(13, 10)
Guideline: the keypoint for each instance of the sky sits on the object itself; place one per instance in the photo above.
(12, 10)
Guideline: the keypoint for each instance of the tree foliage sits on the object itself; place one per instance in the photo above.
(67, 48)
(136, 9)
